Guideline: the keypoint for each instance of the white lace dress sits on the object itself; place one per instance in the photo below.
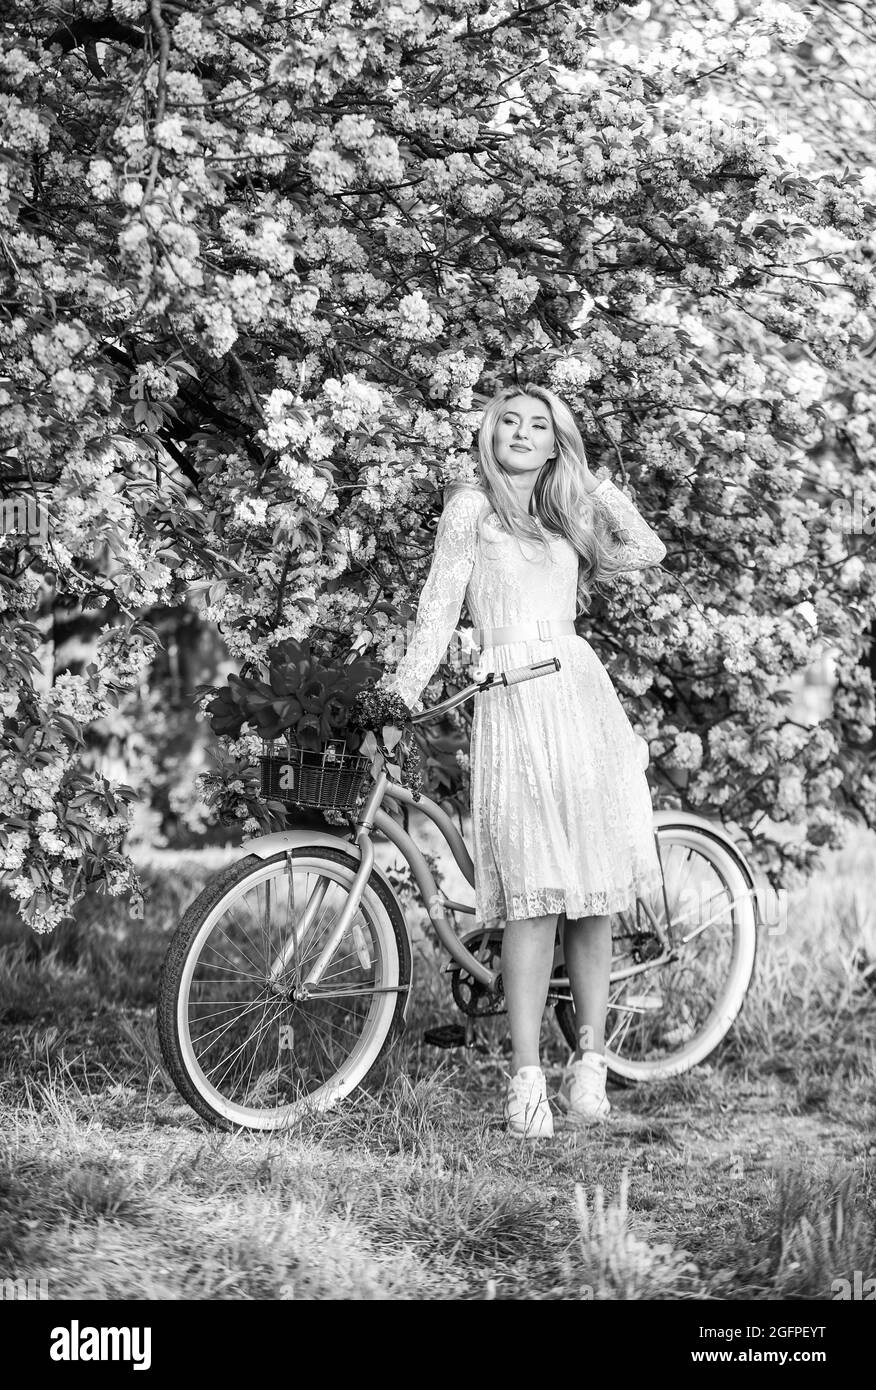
(561, 807)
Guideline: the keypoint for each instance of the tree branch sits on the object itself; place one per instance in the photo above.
(90, 31)
(180, 460)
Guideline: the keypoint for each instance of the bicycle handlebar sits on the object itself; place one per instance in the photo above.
(528, 673)
(513, 677)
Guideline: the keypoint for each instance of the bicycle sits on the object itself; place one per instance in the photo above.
(290, 974)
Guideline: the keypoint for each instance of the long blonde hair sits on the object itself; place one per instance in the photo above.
(559, 501)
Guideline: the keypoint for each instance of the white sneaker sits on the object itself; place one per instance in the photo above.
(527, 1112)
(582, 1089)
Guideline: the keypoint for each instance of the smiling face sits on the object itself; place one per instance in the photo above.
(523, 439)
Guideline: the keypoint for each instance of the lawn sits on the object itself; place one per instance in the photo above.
(750, 1177)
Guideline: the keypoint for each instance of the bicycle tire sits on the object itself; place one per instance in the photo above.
(726, 1008)
(195, 926)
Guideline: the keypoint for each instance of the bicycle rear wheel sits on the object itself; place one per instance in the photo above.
(665, 1018)
(245, 1040)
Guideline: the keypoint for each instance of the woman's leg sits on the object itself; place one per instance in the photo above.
(587, 950)
(527, 957)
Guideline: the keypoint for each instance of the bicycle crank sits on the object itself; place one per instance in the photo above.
(473, 998)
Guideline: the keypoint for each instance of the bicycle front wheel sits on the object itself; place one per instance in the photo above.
(246, 1040)
(681, 963)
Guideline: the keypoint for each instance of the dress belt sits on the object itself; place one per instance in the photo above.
(541, 629)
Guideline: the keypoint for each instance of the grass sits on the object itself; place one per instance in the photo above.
(751, 1177)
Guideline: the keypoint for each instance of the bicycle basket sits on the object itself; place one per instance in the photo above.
(325, 777)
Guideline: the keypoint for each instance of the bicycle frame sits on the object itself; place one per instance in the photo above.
(374, 818)
(441, 909)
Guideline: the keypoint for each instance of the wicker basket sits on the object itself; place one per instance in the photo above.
(329, 777)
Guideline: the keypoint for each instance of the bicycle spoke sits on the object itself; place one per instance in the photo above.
(221, 1029)
(245, 1087)
(619, 1032)
(315, 1034)
(230, 970)
(259, 971)
(260, 1027)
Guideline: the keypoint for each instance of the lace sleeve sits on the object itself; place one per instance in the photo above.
(642, 546)
(441, 598)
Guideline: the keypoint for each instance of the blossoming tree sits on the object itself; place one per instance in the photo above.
(264, 262)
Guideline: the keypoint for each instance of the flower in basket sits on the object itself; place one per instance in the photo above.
(304, 696)
(313, 700)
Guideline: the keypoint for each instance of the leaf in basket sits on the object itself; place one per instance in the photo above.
(369, 745)
(267, 722)
(289, 651)
(356, 674)
(289, 711)
(258, 688)
(285, 679)
(394, 770)
(225, 715)
(391, 736)
(256, 696)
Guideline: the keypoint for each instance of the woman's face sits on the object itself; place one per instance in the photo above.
(523, 439)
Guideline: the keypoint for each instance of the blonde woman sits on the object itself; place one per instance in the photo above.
(561, 808)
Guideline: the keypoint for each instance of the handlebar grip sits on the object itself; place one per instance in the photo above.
(528, 673)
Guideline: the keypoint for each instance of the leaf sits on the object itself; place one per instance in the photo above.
(391, 736)
(70, 728)
(289, 711)
(285, 679)
(225, 715)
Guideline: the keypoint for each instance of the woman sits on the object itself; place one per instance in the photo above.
(561, 808)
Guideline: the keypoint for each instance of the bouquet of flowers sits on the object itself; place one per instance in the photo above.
(304, 696)
(312, 700)
(375, 708)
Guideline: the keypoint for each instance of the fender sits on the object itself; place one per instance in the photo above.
(267, 845)
(718, 832)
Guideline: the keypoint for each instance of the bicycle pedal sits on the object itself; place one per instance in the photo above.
(448, 1035)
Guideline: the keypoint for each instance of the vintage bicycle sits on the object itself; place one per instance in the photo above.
(291, 973)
